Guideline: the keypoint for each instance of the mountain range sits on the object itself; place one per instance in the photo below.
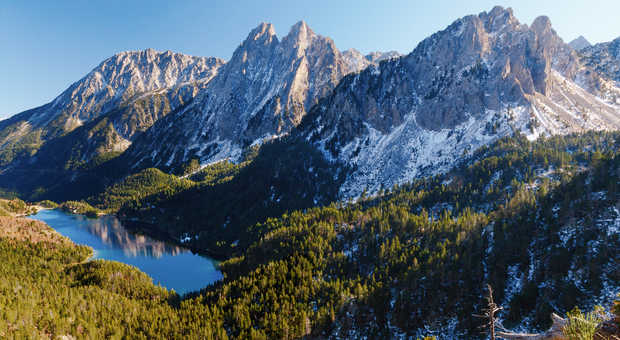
(263, 92)
(391, 118)
(482, 78)
(351, 194)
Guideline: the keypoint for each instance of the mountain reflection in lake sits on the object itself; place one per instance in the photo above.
(171, 266)
(110, 230)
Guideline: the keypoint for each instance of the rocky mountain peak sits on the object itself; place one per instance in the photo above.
(579, 43)
(104, 111)
(263, 37)
(301, 31)
(264, 91)
(120, 78)
(498, 18)
(542, 25)
(300, 38)
(264, 31)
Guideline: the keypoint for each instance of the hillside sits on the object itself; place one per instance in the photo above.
(347, 195)
(484, 77)
(378, 264)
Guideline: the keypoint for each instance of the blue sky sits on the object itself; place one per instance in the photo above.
(47, 45)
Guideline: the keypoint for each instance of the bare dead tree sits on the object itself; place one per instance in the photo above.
(555, 332)
(489, 313)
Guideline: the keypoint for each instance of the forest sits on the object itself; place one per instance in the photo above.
(535, 220)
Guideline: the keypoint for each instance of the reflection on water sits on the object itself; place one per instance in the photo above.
(110, 230)
(171, 266)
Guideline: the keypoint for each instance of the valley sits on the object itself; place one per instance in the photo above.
(302, 191)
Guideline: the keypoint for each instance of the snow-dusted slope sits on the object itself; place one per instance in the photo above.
(484, 77)
(262, 92)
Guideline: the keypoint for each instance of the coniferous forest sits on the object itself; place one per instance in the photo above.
(532, 219)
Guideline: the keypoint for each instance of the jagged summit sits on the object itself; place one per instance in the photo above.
(497, 18)
(264, 91)
(151, 54)
(300, 29)
(266, 30)
(300, 38)
(262, 31)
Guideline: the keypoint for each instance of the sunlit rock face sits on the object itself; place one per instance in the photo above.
(263, 92)
(604, 58)
(131, 89)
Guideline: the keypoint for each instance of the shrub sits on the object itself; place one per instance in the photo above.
(581, 326)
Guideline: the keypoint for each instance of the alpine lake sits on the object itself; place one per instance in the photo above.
(169, 265)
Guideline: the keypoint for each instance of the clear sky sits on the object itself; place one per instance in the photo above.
(47, 45)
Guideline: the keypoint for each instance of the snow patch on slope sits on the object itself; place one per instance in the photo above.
(409, 151)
